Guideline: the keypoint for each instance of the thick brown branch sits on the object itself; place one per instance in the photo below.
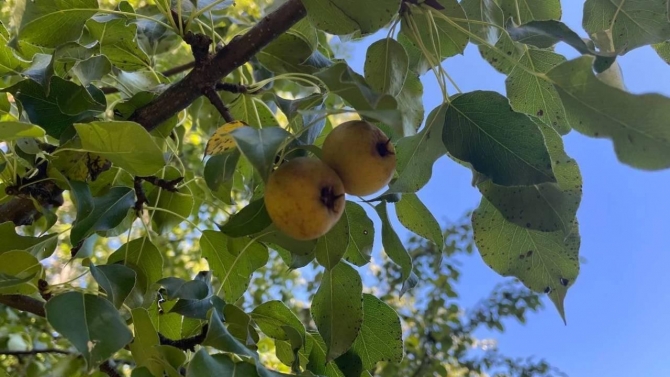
(237, 52)
(34, 352)
(24, 303)
(214, 98)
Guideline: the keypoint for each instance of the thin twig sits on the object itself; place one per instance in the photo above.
(109, 369)
(230, 87)
(214, 98)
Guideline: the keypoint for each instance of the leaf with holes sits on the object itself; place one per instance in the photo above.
(381, 335)
(543, 261)
(337, 309)
(533, 95)
(637, 124)
(546, 207)
(630, 24)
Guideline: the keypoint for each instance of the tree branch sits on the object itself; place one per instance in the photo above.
(214, 98)
(34, 352)
(24, 303)
(180, 95)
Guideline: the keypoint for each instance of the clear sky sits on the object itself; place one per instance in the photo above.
(618, 309)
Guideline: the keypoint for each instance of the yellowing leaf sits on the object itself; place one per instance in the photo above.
(221, 141)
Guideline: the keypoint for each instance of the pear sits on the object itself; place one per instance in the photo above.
(362, 155)
(304, 198)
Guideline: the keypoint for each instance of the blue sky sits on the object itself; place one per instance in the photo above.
(617, 310)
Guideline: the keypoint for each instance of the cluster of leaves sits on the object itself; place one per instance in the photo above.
(142, 202)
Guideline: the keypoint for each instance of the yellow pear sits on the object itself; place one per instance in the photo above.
(304, 198)
(362, 155)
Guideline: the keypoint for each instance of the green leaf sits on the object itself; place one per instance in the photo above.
(116, 280)
(381, 335)
(426, 27)
(546, 207)
(219, 173)
(630, 24)
(16, 266)
(9, 62)
(253, 218)
(15, 130)
(41, 247)
(108, 211)
(416, 217)
(543, 261)
(240, 325)
(232, 263)
(144, 258)
(337, 309)
(117, 43)
(127, 144)
(290, 50)
(545, 34)
(506, 54)
(533, 95)
(663, 50)
(297, 248)
(220, 338)
(416, 154)
(331, 246)
(386, 66)
(410, 104)
(146, 338)
(525, 11)
(90, 323)
(273, 316)
(92, 69)
(260, 146)
(485, 11)
(393, 246)
(318, 361)
(252, 111)
(66, 104)
(361, 235)
(50, 23)
(219, 364)
(481, 129)
(635, 123)
(351, 87)
(342, 17)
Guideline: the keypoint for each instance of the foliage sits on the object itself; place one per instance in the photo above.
(136, 141)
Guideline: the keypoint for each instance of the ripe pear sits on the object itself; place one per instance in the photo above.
(304, 198)
(362, 155)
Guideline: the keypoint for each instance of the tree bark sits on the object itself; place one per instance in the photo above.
(240, 50)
